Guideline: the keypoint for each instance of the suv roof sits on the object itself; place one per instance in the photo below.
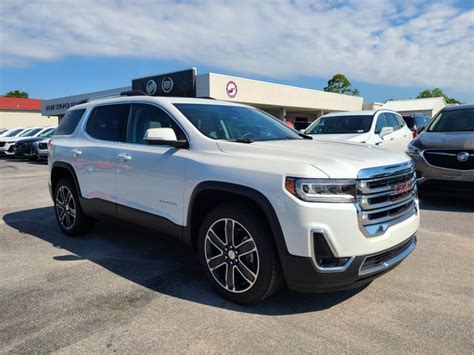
(358, 113)
(157, 99)
(459, 107)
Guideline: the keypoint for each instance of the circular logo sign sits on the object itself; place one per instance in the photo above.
(151, 87)
(167, 85)
(231, 89)
(463, 156)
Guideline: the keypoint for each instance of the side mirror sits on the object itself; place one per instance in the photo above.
(385, 131)
(163, 136)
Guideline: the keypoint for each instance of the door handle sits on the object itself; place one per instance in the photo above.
(76, 152)
(124, 157)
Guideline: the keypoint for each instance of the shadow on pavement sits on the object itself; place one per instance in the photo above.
(446, 200)
(161, 265)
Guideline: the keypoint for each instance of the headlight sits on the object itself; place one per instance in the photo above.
(322, 190)
(413, 149)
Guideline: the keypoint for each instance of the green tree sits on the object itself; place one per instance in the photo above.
(17, 93)
(437, 92)
(340, 84)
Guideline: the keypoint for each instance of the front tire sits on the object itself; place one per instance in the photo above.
(69, 215)
(238, 255)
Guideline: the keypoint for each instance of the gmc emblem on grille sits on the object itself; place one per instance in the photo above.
(403, 187)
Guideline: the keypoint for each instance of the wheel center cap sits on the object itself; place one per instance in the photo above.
(231, 254)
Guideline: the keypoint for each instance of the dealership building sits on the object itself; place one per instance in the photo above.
(298, 105)
(295, 104)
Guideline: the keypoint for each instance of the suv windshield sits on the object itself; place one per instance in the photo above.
(30, 132)
(235, 123)
(12, 133)
(453, 121)
(47, 133)
(341, 124)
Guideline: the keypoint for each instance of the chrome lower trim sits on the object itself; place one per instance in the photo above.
(387, 264)
(328, 241)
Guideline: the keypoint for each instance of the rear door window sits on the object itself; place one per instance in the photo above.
(109, 123)
(69, 122)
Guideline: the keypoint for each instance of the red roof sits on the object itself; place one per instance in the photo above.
(14, 103)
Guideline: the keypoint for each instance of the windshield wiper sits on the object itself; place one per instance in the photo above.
(243, 140)
(305, 136)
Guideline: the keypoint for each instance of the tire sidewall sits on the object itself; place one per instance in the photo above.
(79, 221)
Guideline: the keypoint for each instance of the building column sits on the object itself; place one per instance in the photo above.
(282, 114)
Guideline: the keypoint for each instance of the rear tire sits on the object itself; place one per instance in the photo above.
(238, 255)
(69, 215)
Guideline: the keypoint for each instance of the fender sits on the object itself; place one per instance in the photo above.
(247, 192)
(61, 164)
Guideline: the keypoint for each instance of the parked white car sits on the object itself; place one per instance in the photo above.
(7, 143)
(383, 128)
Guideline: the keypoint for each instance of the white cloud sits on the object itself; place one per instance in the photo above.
(401, 43)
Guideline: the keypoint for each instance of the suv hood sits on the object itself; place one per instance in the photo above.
(446, 140)
(349, 137)
(336, 159)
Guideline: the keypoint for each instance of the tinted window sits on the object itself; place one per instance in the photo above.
(13, 132)
(420, 121)
(144, 117)
(69, 122)
(453, 121)
(109, 122)
(341, 125)
(236, 123)
(382, 122)
(30, 132)
(410, 121)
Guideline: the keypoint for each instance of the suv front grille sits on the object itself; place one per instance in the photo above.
(385, 196)
(2, 144)
(448, 159)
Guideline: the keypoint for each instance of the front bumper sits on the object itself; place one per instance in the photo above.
(426, 172)
(302, 274)
(7, 149)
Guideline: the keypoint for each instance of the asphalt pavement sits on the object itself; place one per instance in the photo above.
(120, 289)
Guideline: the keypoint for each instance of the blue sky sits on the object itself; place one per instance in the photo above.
(387, 48)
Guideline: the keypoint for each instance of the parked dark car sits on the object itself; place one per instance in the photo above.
(416, 123)
(444, 151)
(24, 147)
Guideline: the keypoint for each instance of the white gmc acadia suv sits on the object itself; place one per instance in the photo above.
(260, 203)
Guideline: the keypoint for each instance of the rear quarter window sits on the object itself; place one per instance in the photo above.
(69, 122)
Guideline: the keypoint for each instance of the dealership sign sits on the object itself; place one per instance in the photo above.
(181, 84)
(231, 89)
(58, 107)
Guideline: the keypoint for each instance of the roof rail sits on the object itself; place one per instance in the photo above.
(133, 93)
